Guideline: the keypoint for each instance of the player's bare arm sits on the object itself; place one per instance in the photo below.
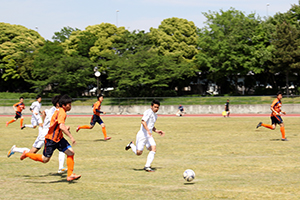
(15, 108)
(272, 109)
(146, 128)
(65, 130)
(43, 115)
(160, 132)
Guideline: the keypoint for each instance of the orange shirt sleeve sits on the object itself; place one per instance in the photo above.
(96, 107)
(54, 132)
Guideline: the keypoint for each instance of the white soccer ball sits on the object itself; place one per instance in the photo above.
(189, 175)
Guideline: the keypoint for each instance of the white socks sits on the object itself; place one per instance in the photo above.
(28, 125)
(133, 147)
(150, 158)
(61, 160)
(20, 150)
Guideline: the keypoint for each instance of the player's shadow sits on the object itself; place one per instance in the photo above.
(62, 180)
(100, 140)
(189, 183)
(275, 139)
(154, 168)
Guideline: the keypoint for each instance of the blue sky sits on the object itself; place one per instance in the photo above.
(48, 17)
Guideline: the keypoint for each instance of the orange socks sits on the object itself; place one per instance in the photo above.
(282, 132)
(267, 126)
(21, 122)
(36, 157)
(11, 121)
(70, 164)
(104, 132)
(84, 127)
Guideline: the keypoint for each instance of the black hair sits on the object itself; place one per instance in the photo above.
(55, 99)
(99, 95)
(155, 102)
(64, 100)
(21, 98)
(279, 92)
(38, 96)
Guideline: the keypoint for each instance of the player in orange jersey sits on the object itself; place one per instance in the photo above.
(96, 118)
(18, 107)
(276, 116)
(55, 140)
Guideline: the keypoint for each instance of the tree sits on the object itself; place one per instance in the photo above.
(64, 34)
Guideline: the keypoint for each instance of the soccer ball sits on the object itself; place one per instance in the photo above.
(189, 175)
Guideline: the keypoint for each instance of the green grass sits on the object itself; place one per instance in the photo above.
(231, 158)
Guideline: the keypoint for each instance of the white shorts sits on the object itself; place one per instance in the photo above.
(36, 120)
(40, 140)
(142, 140)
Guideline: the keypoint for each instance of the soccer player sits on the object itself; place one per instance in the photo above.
(35, 117)
(96, 118)
(145, 137)
(40, 140)
(180, 111)
(227, 108)
(55, 140)
(276, 116)
(18, 107)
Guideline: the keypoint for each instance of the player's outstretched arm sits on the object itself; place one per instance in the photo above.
(160, 132)
(65, 130)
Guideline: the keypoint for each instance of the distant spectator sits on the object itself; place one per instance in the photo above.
(227, 108)
(180, 111)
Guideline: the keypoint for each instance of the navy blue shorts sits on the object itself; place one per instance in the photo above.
(50, 146)
(18, 115)
(276, 119)
(96, 118)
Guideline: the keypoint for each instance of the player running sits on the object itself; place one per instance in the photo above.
(144, 136)
(35, 117)
(55, 140)
(276, 116)
(18, 107)
(40, 140)
(96, 118)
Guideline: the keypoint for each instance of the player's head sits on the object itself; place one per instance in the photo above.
(155, 105)
(100, 97)
(55, 100)
(21, 99)
(38, 98)
(279, 95)
(227, 100)
(65, 102)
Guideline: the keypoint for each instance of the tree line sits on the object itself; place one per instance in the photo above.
(239, 53)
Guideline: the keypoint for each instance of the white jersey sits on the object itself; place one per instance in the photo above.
(49, 113)
(150, 118)
(35, 107)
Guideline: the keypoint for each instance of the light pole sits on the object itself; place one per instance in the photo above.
(267, 9)
(37, 29)
(97, 74)
(117, 17)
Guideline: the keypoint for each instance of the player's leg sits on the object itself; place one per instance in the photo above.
(61, 162)
(11, 121)
(282, 129)
(33, 124)
(49, 148)
(15, 149)
(151, 146)
(87, 126)
(103, 130)
(272, 127)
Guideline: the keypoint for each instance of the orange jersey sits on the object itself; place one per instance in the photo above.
(55, 133)
(96, 108)
(276, 105)
(20, 106)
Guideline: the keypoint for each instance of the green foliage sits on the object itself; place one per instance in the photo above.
(64, 34)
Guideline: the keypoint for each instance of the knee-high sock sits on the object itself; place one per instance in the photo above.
(150, 158)
(61, 160)
(20, 150)
(104, 132)
(84, 127)
(21, 122)
(70, 164)
(133, 148)
(282, 130)
(36, 157)
(11, 121)
(29, 125)
(267, 126)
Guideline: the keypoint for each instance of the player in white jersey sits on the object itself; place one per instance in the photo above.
(40, 140)
(144, 136)
(35, 118)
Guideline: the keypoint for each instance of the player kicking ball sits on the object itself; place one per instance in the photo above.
(55, 140)
(144, 136)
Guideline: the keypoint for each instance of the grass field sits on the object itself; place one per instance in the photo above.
(231, 158)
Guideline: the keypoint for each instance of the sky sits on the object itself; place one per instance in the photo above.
(48, 17)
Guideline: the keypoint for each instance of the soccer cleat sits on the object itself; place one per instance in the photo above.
(148, 169)
(128, 146)
(11, 151)
(77, 129)
(62, 171)
(6, 124)
(22, 127)
(284, 139)
(259, 125)
(23, 156)
(73, 177)
(107, 138)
